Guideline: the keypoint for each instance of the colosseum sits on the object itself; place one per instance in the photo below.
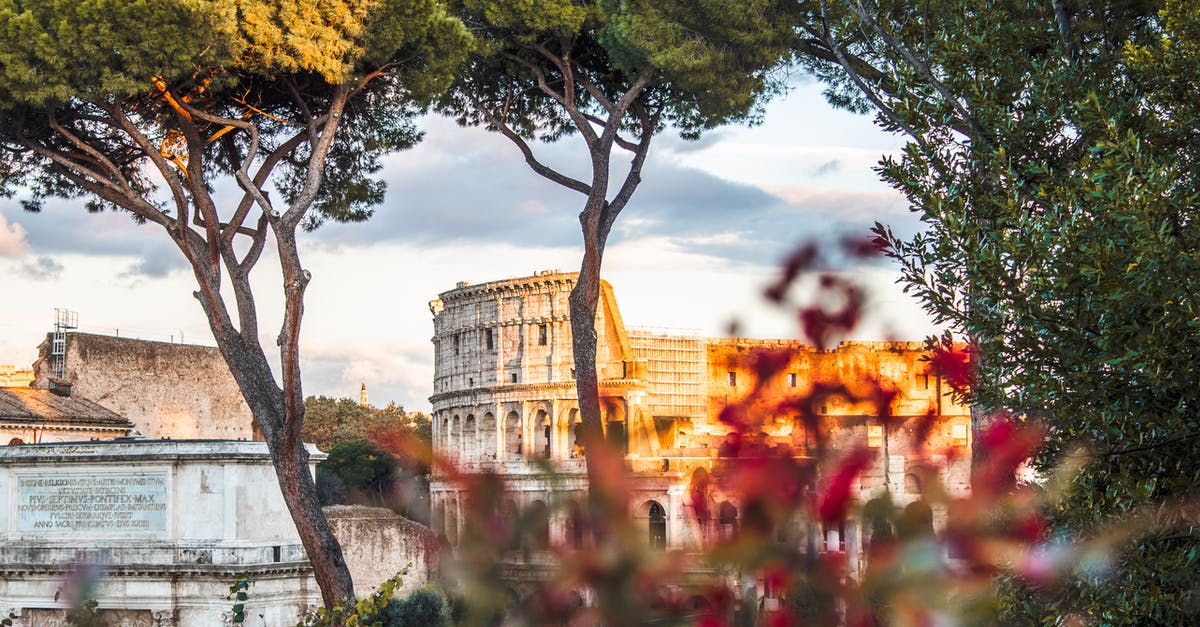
(504, 401)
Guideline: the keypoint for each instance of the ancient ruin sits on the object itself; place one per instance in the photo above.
(504, 401)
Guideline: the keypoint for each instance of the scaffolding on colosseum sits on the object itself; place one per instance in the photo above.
(675, 370)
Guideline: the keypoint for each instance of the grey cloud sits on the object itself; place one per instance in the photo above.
(42, 269)
(64, 226)
(155, 265)
(833, 165)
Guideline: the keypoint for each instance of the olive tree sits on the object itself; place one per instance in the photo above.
(1053, 162)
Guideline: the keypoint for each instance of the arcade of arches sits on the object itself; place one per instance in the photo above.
(504, 403)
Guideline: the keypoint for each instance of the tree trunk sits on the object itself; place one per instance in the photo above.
(250, 369)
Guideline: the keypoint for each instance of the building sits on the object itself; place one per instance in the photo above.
(162, 528)
(504, 400)
(32, 415)
(179, 391)
(11, 376)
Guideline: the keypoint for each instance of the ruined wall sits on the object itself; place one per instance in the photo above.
(178, 391)
(378, 543)
(846, 424)
(11, 376)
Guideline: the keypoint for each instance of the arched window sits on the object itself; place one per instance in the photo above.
(452, 522)
(539, 526)
(541, 431)
(510, 516)
(575, 524)
(15, 441)
(487, 437)
(912, 484)
(470, 439)
(454, 444)
(439, 517)
(444, 436)
(574, 427)
(512, 433)
(656, 526)
(727, 520)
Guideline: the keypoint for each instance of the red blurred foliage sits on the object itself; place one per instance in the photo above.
(835, 498)
(821, 325)
(865, 247)
(953, 362)
(801, 259)
(1006, 444)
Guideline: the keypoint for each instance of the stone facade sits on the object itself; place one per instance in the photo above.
(12, 376)
(178, 391)
(378, 543)
(166, 526)
(504, 400)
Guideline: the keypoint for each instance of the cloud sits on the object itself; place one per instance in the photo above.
(833, 165)
(42, 269)
(12, 239)
(393, 371)
(155, 264)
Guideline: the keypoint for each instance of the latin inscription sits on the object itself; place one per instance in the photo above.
(96, 502)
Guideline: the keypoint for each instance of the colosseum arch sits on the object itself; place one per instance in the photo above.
(539, 525)
(727, 521)
(542, 435)
(470, 439)
(652, 516)
(487, 437)
(573, 440)
(454, 438)
(439, 517)
(452, 522)
(512, 434)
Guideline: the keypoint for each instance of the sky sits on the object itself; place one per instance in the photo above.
(704, 233)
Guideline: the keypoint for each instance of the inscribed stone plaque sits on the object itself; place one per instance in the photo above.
(96, 502)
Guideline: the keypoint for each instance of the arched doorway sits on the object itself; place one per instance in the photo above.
(541, 433)
(470, 439)
(539, 526)
(656, 525)
(487, 437)
(512, 434)
(454, 445)
(727, 519)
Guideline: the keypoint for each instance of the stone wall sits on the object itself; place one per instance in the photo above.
(177, 391)
(378, 543)
(166, 526)
(12, 376)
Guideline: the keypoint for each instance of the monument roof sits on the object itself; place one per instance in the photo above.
(25, 404)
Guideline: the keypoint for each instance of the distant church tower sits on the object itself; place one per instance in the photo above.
(362, 395)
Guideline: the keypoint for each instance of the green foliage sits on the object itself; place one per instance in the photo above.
(708, 62)
(362, 467)
(360, 613)
(85, 615)
(425, 607)
(239, 593)
(330, 421)
(377, 456)
(1053, 164)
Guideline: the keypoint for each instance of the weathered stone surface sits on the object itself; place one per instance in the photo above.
(378, 543)
(167, 524)
(166, 390)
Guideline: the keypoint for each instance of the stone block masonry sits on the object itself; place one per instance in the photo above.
(167, 525)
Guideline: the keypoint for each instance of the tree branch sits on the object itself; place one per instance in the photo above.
(531, 159)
